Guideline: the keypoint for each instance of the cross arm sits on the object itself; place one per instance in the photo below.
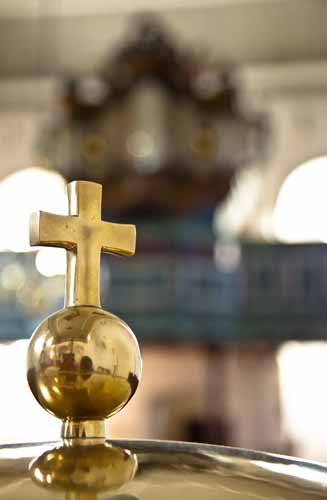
(52, 230)
(119, 239)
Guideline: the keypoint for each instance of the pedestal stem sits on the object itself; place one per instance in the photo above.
(83, 429)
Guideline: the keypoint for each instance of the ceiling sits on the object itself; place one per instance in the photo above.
(39, 37)
(36, 8)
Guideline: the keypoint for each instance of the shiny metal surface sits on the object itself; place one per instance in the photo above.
(84, 468)
(84, 235)
(166, 470)
(83, 364)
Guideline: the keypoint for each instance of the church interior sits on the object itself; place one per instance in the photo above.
(205, 123)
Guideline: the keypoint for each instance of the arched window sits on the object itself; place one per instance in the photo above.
(22, 193)
(301, 208)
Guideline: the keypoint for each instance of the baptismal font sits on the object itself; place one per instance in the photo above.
(84, 365)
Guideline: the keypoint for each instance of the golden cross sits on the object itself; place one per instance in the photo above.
(84, 235)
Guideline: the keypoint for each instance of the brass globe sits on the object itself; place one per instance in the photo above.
(83, 364)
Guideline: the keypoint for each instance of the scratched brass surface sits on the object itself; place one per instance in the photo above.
(152, 470)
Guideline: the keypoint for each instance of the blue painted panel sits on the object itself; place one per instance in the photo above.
(275, 292)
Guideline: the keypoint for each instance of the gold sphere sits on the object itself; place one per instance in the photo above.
(83, 364)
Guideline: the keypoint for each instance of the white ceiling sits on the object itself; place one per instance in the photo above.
(73, 36)
(41, 8)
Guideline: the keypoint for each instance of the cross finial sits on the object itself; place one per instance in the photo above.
(84, 235)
